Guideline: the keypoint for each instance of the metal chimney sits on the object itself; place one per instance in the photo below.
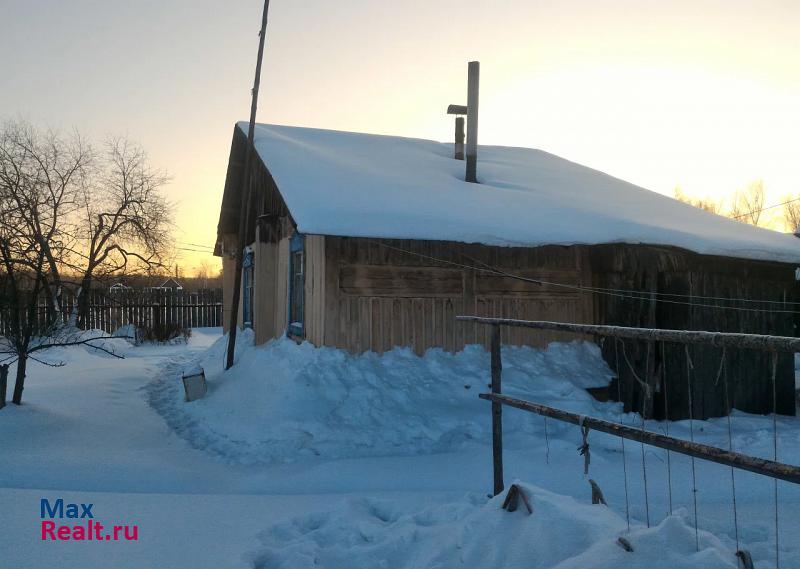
(473, 83)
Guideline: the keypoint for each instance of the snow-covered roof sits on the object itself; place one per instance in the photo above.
(365, 185)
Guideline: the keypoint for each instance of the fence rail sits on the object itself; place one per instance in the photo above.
(769, 468)
(716, 339)
(109, 310)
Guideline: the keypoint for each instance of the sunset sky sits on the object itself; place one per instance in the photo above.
(702, 95)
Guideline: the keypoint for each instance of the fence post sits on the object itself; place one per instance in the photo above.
(497, 412)
(3, 384)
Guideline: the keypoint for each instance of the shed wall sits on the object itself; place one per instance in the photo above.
(386, 293)
(698, 284)
(315, 265)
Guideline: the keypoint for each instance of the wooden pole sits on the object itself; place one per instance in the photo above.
(246, 197)
(762, 466)
(3, 384)
(473, 83)
(497, 412)
(716, 339)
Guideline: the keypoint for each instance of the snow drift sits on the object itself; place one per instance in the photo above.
(562, 533)
(283, 401)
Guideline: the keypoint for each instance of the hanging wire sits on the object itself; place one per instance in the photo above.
(546, 442)
(689, 368)
(584, 449)
(666, 423)
(646, 397)
(729, 411)
(621, 438)
(644, 463)
(617, 293)
(641, 294)
(775, 451)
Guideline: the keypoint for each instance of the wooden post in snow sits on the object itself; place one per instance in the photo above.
(246, 198)
(3, 384)
(497, 412)
(473, 83)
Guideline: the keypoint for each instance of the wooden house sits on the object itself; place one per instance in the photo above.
(366, 242)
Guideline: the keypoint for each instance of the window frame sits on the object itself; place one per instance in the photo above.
(248, 288)
(295, 326)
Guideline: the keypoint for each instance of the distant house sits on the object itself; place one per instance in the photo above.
(169, 284)
(119, 287)
(367, 242)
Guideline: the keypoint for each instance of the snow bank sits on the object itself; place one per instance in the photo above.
(364, 185)
(562, 533)
(284, 401)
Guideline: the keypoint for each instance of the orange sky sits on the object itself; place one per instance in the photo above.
(705, 95)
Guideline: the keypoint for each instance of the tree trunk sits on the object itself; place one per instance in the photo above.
(84, 296)
(22, 364)
(54, 288)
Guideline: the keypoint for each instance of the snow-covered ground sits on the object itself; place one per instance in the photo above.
(302, 456)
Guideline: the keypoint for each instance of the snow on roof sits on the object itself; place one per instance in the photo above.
(365, 185)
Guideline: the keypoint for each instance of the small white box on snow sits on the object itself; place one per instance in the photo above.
(194, 383)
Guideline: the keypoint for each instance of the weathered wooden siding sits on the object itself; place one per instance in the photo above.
(315, 289)
(282, 288)
(386, 293)
(265, 258)
(228, 268)
(664, 270)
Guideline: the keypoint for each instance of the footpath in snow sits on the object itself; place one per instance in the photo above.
(301, 456)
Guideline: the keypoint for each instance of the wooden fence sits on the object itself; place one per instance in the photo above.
(109, 310)
(728, 457)
(772, 469)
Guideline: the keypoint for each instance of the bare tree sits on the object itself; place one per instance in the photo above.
(791, 212)
(40, 177)
(22, 282)
(203, 274)
(25, 330)
(706, 204)
(748, 203)
(125, 223)
(62, 210)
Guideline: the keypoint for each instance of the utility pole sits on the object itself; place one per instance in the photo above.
(245, 197)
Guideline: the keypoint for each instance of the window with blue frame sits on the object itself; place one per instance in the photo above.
(247, 289)
(297, 264)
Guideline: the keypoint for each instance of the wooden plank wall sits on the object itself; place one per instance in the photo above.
(265, 259)
(672, 271)
(386, 293)
(315, 289)
(228, 268)
(282, 289)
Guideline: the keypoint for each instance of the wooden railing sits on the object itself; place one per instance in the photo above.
(770, 468)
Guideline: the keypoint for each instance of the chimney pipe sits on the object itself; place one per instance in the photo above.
(473, 82)
(459, 138)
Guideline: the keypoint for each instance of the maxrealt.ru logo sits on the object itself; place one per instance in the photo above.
(88, 529)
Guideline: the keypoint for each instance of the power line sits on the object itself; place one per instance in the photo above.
(207, 252)
(764, 208)
(617, 293)
(196, 245)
